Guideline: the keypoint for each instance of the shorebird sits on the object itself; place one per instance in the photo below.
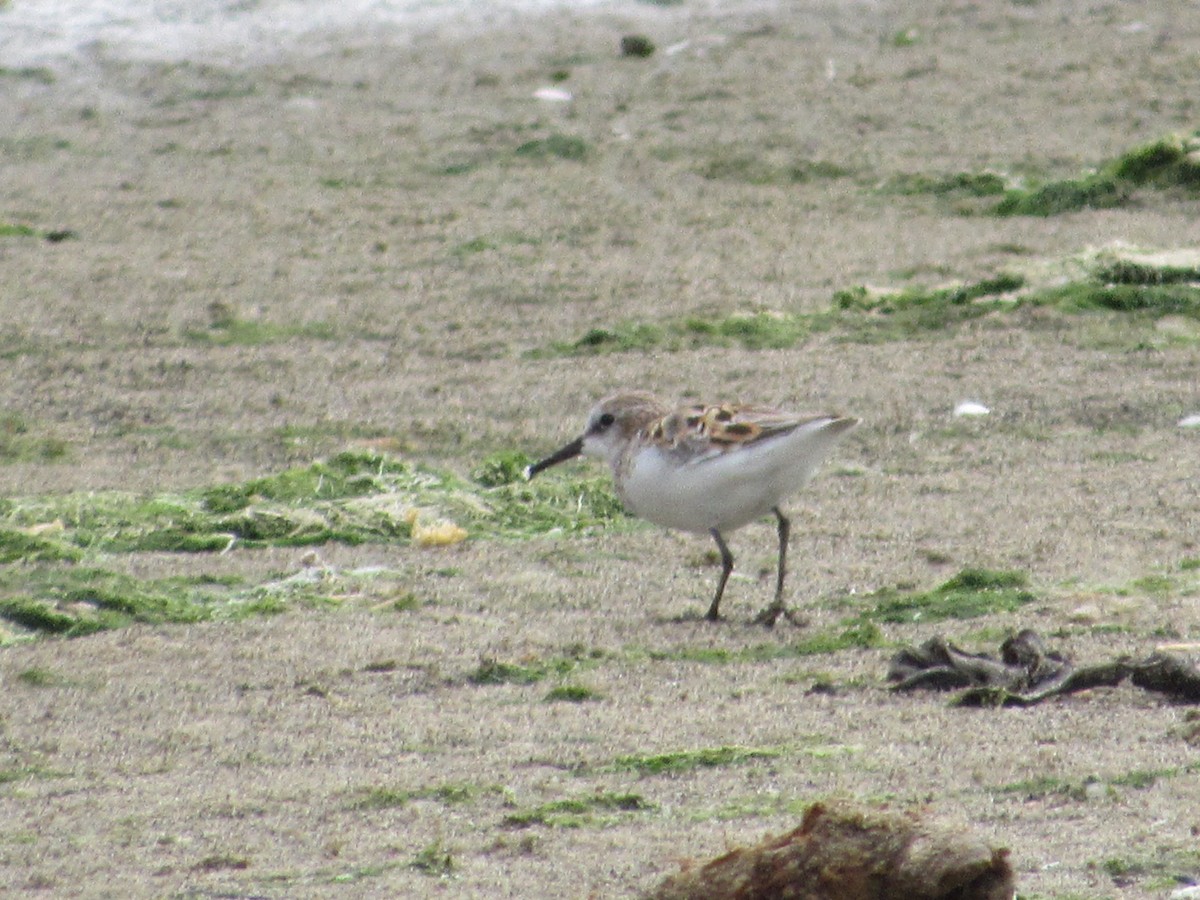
(706, 468)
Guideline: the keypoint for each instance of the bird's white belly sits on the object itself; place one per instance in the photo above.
(720, 493)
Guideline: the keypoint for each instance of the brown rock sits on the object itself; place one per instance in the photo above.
(842, 851)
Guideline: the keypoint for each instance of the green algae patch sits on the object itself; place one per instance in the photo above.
(754, 331)
(572, 693)
(37, 545)
(1070, 195)
(531, 670)
(855, 635)
(1124, 284)
(859, 313)
(1145, 270)
(622, 337)
(58, 549)
(8, 229)
(969, 594)
(352, 498)
(1137, 284)
(679, 761)
(1170, 164)
(908, 312)
(451, 793)
(72, 600)
(76, 600)
(1092, 787)
(492, 671)
(1152, 300)
(555, 146)
(592, 810)
(957, 185)
(505, 467)
(342, 477)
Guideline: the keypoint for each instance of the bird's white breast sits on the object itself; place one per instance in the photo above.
(722, 490)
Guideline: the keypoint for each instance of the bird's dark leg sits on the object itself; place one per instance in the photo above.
(772, 613)
(713, 613)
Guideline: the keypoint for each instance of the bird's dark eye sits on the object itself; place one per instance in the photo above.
(605, 420)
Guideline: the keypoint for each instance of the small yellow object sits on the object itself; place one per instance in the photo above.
(437, 533)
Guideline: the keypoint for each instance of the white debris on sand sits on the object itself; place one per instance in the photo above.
(971, 408)
(553, 95)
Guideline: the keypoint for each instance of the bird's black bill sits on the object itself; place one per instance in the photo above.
(572, 449)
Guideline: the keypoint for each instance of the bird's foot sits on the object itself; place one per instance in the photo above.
(769, 616)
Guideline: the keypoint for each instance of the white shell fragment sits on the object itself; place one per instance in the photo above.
(971, 408)
(553, 95)
(1192, 421)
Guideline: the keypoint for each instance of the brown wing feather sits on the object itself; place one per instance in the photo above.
(722, 427)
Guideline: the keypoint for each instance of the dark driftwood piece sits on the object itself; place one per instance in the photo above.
(1028, 673)
(843, 851)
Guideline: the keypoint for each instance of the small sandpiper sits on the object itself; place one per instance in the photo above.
(706, 468)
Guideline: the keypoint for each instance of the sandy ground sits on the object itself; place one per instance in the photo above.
(372, 200)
